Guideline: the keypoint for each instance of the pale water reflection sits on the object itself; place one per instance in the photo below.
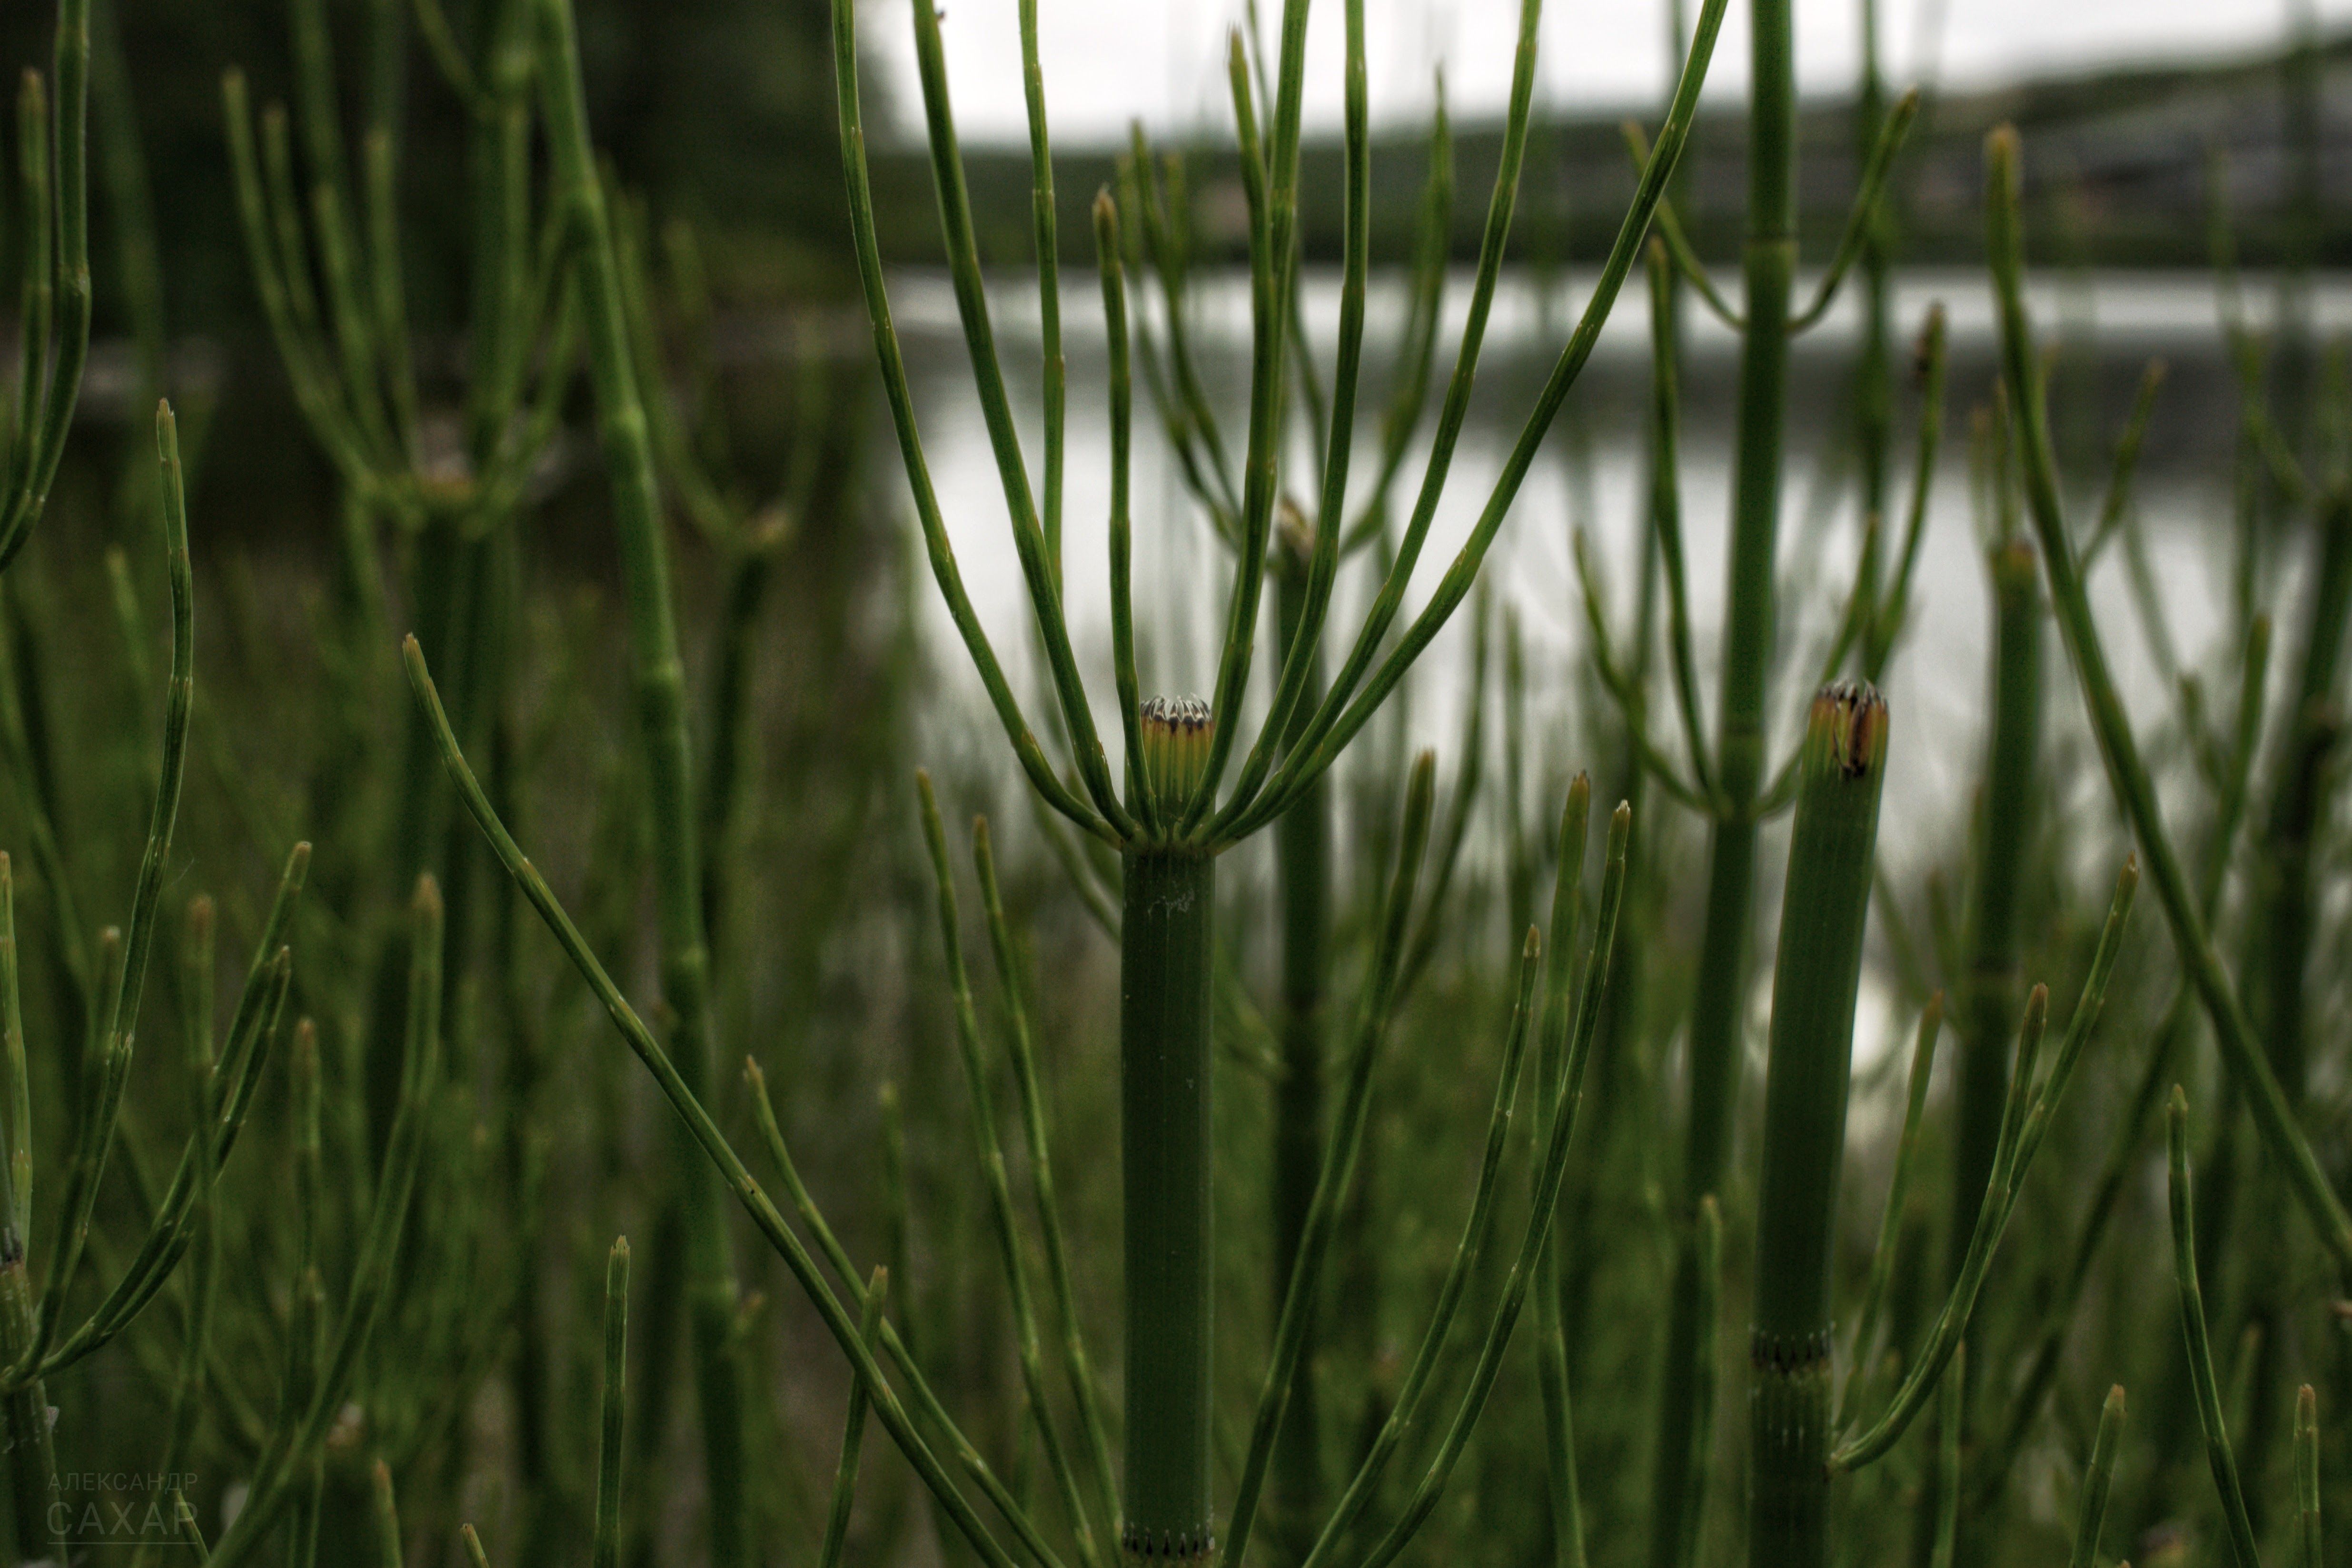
(1591, 475)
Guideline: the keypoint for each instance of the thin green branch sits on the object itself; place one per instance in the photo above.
(2134, 790)
(2218, 1455)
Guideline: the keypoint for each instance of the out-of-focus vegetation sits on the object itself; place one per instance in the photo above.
(356, 993)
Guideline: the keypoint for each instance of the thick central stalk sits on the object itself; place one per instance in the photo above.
(1825, 903)
(1165, 1137)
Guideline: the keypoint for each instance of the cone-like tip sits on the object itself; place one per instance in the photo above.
(1177, 733)
(1846, 732)
(2001, 149)
(1928, 348)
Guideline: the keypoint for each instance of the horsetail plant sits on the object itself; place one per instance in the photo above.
(606, 1551)
(53, 317)
(2307, 1473)
(853, 1431)
(1814, 982)
(586, 239)
(2008, 797)
(2097, 1478)
(323, 1358)
(2119, 749)
(1154, 240)
(2033, 1099)
(1169, 824)
(2219, 1456)
(30, 1320)
(1000, 1193)
(1735, 789)
(332, 291)
(857, 1341)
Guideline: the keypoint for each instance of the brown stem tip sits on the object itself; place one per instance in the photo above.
(1847, 729)
(1177, 733)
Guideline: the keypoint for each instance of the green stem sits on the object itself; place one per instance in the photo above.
(1302, 839)
(1874, 414)
(1049, 282)
(2096, 1480)
(1165, 952)
(41, 440)
(2127, 773)
(2218, 1454)
(1551, 1053)
(1719, 988)
(1862, 1351)
(853, 1431)
(1076, 1363)
(2314, 727)
(606, 1551)
(1336, 1169)
(993, 1172)
(1988, 1008)
(2306, 1472)
(660, 676)
(1814, 982)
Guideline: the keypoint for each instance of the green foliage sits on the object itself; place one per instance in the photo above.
(336, 1267)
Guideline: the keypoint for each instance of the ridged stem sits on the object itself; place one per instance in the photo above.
(1719, 989)
(660, 678)
(1823, 912)
(1165, 969)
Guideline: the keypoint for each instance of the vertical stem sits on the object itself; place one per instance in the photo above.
(2096, 1480)
(1302, 839)
(1831, 856)
(1551, 1055)
(1049, 283)
(606, 1551)
(660, 676)
(33, 1465)
(1165, 947)
(2219, 1457)
(2313, 728)
(1989, 1006)
(1874, 414)
(1989, 990)
(1719, 990)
